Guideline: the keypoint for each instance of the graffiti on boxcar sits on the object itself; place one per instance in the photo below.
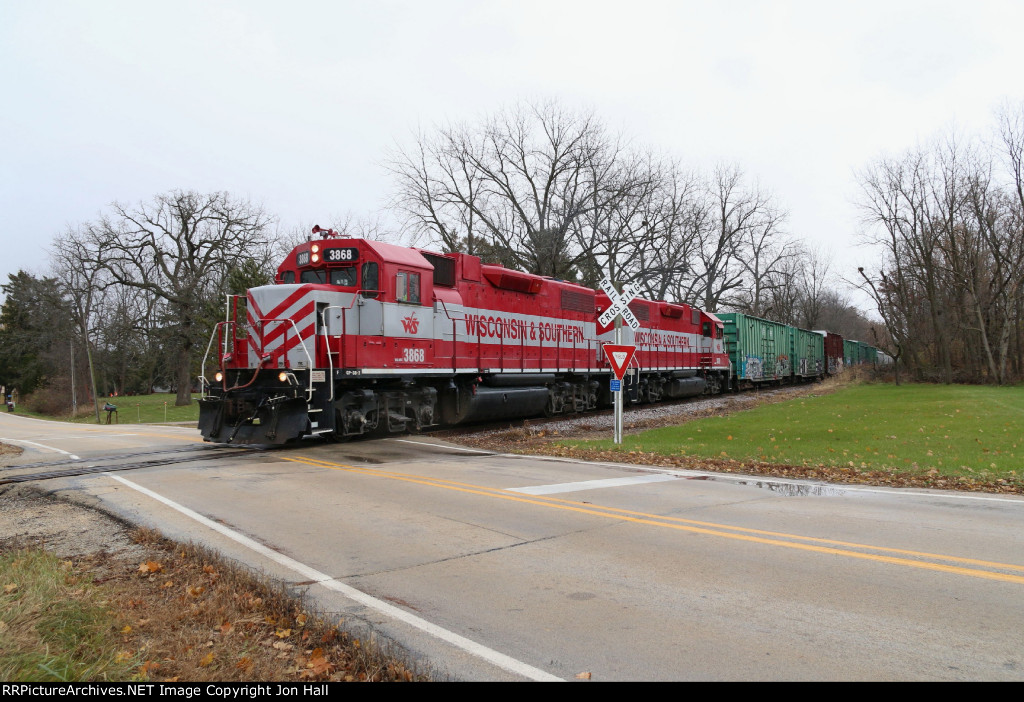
(782, 365)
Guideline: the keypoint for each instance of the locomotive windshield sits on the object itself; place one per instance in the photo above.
(344, 277)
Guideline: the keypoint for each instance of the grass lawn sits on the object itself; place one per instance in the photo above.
(131, 409)
(50, 635)
(948, 430)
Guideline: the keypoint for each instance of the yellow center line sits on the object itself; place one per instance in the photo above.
(681, 520)
(693, 526)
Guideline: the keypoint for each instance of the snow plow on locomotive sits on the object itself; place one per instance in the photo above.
(358, 336)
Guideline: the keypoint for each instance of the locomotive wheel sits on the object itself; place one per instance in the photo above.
(337, 436)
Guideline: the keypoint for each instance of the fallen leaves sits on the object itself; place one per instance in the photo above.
(317, 665)
(851, 472)
(150, 567)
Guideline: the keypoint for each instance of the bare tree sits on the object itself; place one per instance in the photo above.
(1006, 241)
(440, 190)
(676, 212)
(900, 213)
(888, 300)
(179, 248)
(547, 189)
(766, 253)
(812, 287)
(739, 214)
(82, 278)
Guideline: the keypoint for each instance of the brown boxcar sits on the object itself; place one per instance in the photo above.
(833, 352)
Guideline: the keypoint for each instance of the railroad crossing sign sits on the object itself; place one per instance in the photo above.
(619, 355)
(619, 304)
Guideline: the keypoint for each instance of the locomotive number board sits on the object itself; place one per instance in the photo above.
(339, 255)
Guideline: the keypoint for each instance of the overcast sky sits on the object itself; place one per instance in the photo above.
(294, 104)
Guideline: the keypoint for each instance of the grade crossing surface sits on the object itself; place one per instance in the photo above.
(499, 567)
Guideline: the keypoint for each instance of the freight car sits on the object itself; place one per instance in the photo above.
(765, 352)
(859, 353)
(759, 349)
(834, 360)
(360, 336)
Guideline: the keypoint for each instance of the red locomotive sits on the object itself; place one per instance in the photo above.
(360, 336)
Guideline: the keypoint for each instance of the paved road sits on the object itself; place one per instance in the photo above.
(504, 568)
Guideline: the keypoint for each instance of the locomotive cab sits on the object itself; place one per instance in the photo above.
(338, 308)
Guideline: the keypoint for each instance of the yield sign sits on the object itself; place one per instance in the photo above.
(619, 355)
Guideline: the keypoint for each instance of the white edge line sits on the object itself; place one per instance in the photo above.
(86, 425)
(734, 478)
(725, 477)
(499, 659)
(44, 446)
(453, 448)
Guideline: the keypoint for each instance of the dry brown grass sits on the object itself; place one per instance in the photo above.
(10, 450)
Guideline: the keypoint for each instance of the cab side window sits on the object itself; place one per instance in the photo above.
(288, 277)
(407, 287)
(371, 281)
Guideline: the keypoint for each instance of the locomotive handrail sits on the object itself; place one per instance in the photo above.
(231, 315)
(327, 341)
(455, 333)
(222, 342)
(202, 367)
(204, 383)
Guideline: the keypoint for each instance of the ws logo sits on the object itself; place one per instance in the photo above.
(410, 324)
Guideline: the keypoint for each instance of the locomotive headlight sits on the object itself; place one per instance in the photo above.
(315, 258)
(315, 248)
(218, 377)
(282, 376)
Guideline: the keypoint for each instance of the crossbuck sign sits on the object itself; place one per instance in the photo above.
(619, 304)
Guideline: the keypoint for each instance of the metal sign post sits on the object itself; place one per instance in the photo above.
(619, 356)
(617, 433)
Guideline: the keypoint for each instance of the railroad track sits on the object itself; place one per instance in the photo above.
(114, 462)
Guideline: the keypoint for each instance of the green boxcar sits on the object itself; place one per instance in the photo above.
(866, 354)
(760, 350)
(850, 352)
(859, 353)
(808, 354)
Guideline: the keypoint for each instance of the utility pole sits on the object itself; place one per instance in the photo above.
(74, 397)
